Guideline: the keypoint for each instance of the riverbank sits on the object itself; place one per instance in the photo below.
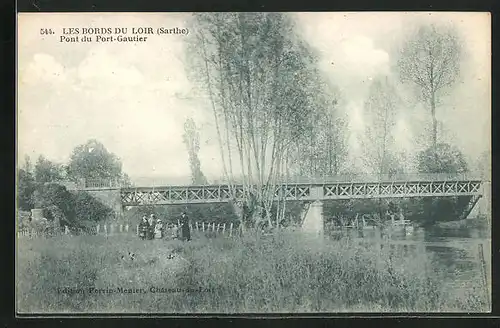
(480, 222)
(286, 272)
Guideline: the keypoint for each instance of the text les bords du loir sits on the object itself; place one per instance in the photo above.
(116, 34)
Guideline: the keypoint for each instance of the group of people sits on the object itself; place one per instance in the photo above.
(152, 228)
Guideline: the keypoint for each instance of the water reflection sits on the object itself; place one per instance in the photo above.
(454, 251)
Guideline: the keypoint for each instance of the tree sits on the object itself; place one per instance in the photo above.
(380, 119)
(28, 166)
(191, 139)
(92, 161)
(337, 138)
(25, 190)
(47, 171)
(444, 158)
(25, 186)
(262, 83)
(322, 150)
(430, 60)
(483, 165)
(125, 180)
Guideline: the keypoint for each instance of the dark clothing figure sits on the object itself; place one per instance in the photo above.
(151, 227)
(151, 232)
(185, 231)
(143, 228)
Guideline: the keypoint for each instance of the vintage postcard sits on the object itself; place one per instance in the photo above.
(320, 162)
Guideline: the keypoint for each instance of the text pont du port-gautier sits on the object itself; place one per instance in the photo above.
(116, 34)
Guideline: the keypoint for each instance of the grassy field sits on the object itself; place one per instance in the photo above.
(285, 272)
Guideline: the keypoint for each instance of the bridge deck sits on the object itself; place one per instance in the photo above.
(301, 191)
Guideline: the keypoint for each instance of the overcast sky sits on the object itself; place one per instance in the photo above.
(135, 97)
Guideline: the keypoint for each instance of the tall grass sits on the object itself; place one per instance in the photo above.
(285, 272)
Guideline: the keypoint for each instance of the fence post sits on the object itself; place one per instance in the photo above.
(137, 229)
(213, 226)
(106, 229)
(98, 228)
(218, 225)
(224, 228)
(231, 229)
(121, 228)
(196, 225)
(203, 226)
(126, 227)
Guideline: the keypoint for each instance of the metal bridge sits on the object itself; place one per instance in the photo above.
(318, 189)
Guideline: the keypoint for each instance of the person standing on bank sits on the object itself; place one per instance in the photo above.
(151, 229)
(143, 228)
(158, 229)
(186, 233)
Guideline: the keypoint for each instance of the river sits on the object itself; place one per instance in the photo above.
(455, 251)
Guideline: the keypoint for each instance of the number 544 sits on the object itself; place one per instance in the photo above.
(44, 31)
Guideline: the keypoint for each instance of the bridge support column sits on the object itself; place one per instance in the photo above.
(314, 221)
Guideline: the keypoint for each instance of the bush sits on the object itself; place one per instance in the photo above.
(53, 194)
(71, 209)
(443, 158)
(23, 219)
(87, 208)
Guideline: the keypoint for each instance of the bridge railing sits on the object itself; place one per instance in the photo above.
(427, 177)
(358, 178)
(407, 177)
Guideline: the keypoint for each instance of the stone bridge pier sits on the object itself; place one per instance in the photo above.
(314, 222)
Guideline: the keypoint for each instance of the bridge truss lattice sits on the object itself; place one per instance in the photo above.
(305, 192)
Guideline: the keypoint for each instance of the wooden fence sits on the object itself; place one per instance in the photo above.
(113, 229)
(30, 233)
(222, 228)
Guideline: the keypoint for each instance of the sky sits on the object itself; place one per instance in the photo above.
(135, 97)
